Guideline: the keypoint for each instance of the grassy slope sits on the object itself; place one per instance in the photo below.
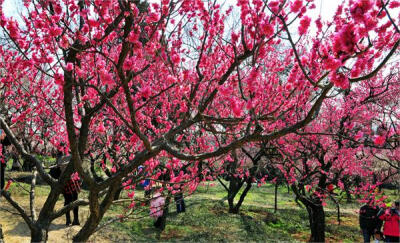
(206, 219)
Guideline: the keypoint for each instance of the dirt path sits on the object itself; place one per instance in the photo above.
(15, 229)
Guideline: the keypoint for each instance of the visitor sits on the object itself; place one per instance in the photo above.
(180, 203)
(71, 188)
(391, 228)
(158, 209)
(145, 184)
(369, 221)
(5, 142)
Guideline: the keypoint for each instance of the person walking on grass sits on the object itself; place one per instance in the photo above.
(391, 228)
(4, 143)
(369, 221)
(71, 188)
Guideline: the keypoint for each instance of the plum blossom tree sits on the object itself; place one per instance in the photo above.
(340, 144)
(173, 80)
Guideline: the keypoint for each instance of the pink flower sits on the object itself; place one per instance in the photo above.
(146, 92)
(394, 4)
(304, 24)
(359, 135)
(236, 108)
(171, 80)
(345, 40)
(379, 140)
(274, 6)
(296, 6)
(268, 29)
(69, 67)
(176, 59)
(340, 80)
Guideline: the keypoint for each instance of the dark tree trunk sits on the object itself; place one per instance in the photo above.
(316, 216)
(27, 165)
(241, 199)
(117, 194)
(38, 234)
(88, 228)
(1, 234)
(234, 186)
(276, 198)
(16, 166)
(97, 211)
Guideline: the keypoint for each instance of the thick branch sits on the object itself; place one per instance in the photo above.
(32, 196)
(20, 210)
(46, 177)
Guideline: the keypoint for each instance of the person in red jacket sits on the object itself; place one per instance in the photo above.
(391, 228)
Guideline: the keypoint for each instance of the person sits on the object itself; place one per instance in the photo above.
(180, 203)
(369, 221)
(144, 183)
(71, 188)
(391, 228)
(5, 142)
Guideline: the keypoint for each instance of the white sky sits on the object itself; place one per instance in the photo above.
(324, 7)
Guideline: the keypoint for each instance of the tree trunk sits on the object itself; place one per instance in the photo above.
(27, 165)
(234, 187)
(316, 216)
(1, 234)
(88, 229)
(276, 198)
(16, 165)
(38, 234)
(97, 211)
(231, 205)
(117, 194)
(242, 196)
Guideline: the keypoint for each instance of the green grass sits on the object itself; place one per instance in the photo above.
(207, 219)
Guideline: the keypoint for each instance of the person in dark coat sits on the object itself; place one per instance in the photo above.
(369, 221)
(5, 142)
(180, 202)
(71, 188)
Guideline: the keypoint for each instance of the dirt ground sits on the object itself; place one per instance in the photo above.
(15, 229)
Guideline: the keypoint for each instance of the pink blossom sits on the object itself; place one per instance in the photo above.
(304, 24)
(379, 140)
(340, 80)
(359, 135)
(296, 6)
(69, 67)
(394, 4)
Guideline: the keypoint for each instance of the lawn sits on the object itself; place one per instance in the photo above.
(206, 218)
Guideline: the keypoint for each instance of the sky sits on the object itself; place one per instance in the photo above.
(324, 7)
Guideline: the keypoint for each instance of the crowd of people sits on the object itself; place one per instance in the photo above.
(373, 217)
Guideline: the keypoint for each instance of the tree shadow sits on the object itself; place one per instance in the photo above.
(20, 229)
(57, 227)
